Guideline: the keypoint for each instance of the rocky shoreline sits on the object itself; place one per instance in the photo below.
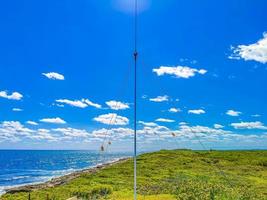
(62, 179)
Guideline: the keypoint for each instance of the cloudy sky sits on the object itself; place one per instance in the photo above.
(66, 74)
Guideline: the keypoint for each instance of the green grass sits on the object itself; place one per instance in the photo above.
(171, 175)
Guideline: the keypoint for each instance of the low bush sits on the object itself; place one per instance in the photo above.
(94, 193)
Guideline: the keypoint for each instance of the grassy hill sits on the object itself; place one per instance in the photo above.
(171, 175)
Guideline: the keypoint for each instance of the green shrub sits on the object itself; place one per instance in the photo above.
(95, 192)
(102, 190)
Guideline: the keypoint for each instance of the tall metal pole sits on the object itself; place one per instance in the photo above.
(135, 96)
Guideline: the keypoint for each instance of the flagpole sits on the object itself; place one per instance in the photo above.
(135, 96)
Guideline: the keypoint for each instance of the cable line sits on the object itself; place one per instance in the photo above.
(135, 54)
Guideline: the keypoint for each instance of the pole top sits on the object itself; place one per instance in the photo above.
(135, 54)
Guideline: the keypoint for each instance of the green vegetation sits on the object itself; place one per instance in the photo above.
(171, 175)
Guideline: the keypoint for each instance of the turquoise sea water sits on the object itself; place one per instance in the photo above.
(20, 167)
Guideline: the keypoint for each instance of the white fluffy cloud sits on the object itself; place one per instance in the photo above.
(15, 126)
(72, 132)
(159, 98)
(78, 103)
(54, 76)
(112, 119)
(114, 134)
(233, 113)
(147, 123)
(179, 71)
(255, 115)
(164, 120)
(256, 51)
(174, 110)
(13, 96)
(75, 103)
(43, 134)
(249, 125)
(154, 130)
(218, 126)
(90, 103)
(201, 129)
(103, 131)
(117, 105)
(55, 120)
(32, 123)
(17, 109)
(13, 131)
(197, 112)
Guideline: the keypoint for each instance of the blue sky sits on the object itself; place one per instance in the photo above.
(66, 74)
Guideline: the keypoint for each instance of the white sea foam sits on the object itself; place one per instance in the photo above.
(54, 174)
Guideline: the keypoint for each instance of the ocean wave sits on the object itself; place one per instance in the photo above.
(16, 178)
(41, 176)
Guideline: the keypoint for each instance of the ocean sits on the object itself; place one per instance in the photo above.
(20, 167)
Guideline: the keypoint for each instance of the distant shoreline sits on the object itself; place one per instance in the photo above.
(64, 179)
